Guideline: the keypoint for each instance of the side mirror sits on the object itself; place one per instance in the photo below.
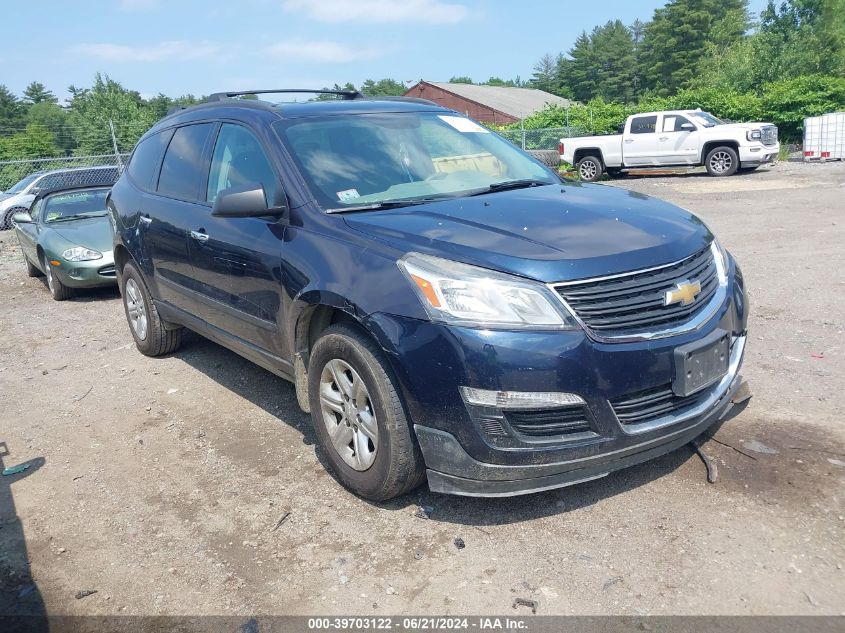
(246, 201)
(687, 127)
(22, 217)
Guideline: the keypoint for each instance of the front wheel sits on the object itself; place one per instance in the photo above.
(152, 338)
(359, 418)
(58, 290)
(722, 161)
(590, 168)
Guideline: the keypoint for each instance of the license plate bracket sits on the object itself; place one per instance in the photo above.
(702, 363)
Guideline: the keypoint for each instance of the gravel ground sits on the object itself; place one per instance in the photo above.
(160, 483)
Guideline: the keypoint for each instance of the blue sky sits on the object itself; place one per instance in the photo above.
(195, 46)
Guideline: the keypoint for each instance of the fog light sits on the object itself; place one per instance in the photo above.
(519, 399)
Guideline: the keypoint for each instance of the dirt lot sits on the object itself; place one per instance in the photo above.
(158, 482)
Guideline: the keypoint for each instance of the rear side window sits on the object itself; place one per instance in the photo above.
(182, 171)
(644, 125)
(146, 159)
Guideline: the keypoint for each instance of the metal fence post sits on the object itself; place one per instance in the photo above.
(114, 143)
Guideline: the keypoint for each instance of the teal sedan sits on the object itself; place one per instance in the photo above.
(67, 237)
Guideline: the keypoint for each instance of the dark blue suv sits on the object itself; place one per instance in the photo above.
(445, 305)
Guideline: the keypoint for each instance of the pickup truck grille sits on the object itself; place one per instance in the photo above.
(769, 135)
(635, 301)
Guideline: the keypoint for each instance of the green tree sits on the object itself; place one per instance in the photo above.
(36, 141)
(461, 80)
(54, 118)
(545, 75)
(383, 88)
(37, 92)
(92, 109)
(681, 34)
(579, 71)
(11, 109)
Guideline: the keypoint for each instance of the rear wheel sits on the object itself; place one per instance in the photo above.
(152, 338)
(31, 269)
(58, 290)
(590, 168)
(359, 418)
(722, 161)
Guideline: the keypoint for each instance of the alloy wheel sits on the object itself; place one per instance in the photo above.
(348, 414)
(136, 309)
(588, 170)
(721, 162)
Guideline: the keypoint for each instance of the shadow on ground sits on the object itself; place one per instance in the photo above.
(19, 594)
(277, 398)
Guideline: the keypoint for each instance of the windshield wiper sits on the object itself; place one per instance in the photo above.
(511, 184)
(386, 204)
(78, 216)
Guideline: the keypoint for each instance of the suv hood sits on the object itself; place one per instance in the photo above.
(550, 233)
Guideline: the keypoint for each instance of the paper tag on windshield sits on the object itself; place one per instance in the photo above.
(463, 125)
(348, 194)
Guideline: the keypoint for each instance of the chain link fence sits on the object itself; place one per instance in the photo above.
(543, 138)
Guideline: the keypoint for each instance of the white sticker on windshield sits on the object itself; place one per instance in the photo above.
(348, 194)
(463, 125)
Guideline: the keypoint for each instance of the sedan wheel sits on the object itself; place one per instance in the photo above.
(348, 414)
(58, 290)
(136, 310)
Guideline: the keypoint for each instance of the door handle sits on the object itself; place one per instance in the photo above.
(629, 140)
(200, 237)
(145, 220)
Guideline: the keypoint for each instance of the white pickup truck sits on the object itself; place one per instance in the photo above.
(678, 138)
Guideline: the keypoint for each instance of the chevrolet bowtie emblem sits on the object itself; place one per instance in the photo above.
(684, 293)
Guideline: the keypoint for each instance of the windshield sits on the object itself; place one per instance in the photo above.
(350, 161)
(22, 184)
(74, 205)
(706, 119)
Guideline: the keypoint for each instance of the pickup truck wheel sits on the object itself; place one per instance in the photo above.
(359, 418)
(590, 168)
(722, 161)
(151, 337)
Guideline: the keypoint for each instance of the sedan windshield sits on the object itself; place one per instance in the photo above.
(706, 119)
(75, 205)
(371, 161)
(22, 184)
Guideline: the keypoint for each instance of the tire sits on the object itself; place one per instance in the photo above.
(57, 289)
(148, 331)
(549, 157)
(590, 168)
(349, 381)
(722, 161)
(31, 269)
(6, 220)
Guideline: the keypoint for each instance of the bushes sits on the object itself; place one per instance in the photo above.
(785, 103)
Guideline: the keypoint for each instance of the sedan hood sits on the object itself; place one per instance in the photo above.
(550, 233)
(88, 232)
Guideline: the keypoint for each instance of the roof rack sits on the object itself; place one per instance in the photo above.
(344, 94)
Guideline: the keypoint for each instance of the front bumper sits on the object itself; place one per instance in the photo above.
(758, 154)
(466, 454)
(90, 274)
(451, 470)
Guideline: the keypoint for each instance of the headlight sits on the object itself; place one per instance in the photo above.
(81, 254)
(467, 295)
(720, 255)
(754, 135)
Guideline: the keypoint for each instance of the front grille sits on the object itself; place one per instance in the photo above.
(550, 422)
(107, 271)
(769, 135)
(635, 301)
(650, 404)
